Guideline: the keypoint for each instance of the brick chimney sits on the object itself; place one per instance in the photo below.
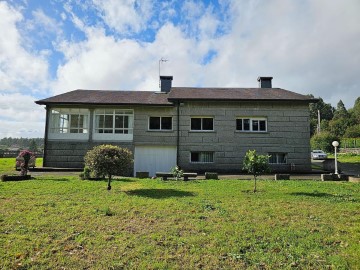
(165, 83)
(265, 82)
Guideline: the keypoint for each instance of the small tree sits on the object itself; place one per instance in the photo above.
(255, 164)
(109, 160)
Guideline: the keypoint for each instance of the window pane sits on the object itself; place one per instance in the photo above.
(195, 123)
(195, 157)
(207, 157)
(207, 124)
(154, 123)
(99, 121)
(108, 121)
(239, 123)
(255, 125)
(74, 121)
(119, 121)
(166, 123)
(246, 124)
(262, 125)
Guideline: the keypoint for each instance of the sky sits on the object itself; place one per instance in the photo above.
(55, 46)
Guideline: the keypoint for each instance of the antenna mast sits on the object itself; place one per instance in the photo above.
(160, 61)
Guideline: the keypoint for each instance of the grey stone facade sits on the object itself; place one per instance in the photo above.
(287, 132)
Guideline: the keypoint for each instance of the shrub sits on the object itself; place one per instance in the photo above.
(256, 164)
(323, 141)
(177, 172)
(109, 160)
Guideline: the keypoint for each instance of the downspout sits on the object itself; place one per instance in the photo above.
(46, 134)
(178, 133)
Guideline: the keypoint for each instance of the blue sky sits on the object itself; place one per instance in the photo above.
(54, 46)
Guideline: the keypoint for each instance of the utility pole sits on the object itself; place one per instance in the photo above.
(318, 125)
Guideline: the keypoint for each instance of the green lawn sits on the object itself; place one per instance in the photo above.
(66, 223)
(7, 165)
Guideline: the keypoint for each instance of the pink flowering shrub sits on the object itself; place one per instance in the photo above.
(22, 161)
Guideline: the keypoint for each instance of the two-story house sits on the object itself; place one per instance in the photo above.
(200, 129)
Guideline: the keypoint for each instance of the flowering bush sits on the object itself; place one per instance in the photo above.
(24, 158)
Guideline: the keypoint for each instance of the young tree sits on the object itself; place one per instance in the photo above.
(109, 160)
(255, 164)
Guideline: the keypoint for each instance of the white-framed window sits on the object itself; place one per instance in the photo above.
(247, 124)
(201, 157)
(278, 158)
(113, 121)
(161, 123)
(202, 124)
(66, 120)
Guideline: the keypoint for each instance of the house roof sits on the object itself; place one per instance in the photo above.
(105, 97)
(236, 94)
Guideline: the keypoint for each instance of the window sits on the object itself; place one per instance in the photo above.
(202, 123)
(160, 123)
(69, 121)
(277, 158)
(251, 124)
(202, 157)
(114, 121)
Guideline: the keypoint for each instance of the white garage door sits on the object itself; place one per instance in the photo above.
(154, 159)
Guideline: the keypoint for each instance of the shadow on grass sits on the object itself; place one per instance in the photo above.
(313, 194)
(332, 197)
(159, 193)
(128, 180)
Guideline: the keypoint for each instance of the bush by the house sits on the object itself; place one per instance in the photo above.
(109, 160)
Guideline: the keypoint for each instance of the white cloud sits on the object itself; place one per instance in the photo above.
(18, 67)
(125, 16)
(20, 116)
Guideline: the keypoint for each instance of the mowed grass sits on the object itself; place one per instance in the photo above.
(55, 222)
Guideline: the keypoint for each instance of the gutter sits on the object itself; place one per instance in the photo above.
(178, 133)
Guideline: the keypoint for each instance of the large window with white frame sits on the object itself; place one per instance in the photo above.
(247, 124)
(113, 121)
(65, 120)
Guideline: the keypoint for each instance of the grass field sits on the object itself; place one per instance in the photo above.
(57, 222)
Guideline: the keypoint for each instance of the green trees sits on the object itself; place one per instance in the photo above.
(255, 164)
(336, 124)
(323, 141)
(109, 160)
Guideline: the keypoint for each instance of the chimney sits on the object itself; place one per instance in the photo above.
(165, 83)
(265, 82)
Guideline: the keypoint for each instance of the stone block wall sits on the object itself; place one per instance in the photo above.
(288, 131)
(65, 154)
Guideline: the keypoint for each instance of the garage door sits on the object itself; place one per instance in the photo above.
(154, 159)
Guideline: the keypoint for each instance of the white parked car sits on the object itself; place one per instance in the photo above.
(318, 154)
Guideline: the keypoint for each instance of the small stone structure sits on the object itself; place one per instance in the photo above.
(282, 176)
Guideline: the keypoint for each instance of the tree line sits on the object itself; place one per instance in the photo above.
(32, 144)
(338, 123)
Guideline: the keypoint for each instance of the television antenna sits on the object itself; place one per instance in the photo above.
(161, 61)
